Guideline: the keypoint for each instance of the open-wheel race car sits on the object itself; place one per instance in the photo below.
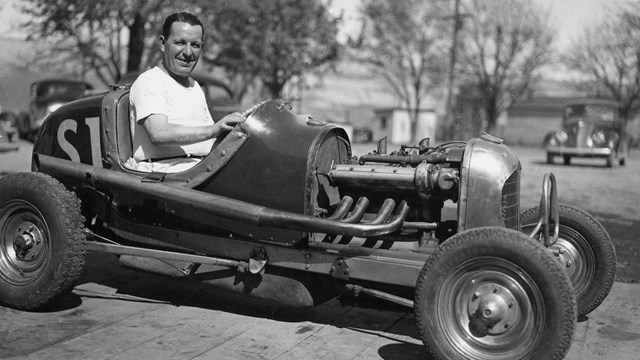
(281, 209)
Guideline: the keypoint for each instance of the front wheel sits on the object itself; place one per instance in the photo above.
(42, 243)
(585, 250)
(492, 293)
(610, 160)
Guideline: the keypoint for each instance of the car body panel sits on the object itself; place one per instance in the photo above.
(490, 182)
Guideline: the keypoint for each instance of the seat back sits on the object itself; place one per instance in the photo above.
(123, 130)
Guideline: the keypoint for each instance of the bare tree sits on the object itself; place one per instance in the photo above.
(504, 44)
(609, 56)
(107, 37)
(272, 41)
(403, 43)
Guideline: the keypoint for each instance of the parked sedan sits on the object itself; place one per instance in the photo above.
(590, 128)
(8, 138)
(47, 95)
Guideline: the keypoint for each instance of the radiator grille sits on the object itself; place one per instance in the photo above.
(510, 206)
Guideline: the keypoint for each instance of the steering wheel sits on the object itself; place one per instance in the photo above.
(245, 114)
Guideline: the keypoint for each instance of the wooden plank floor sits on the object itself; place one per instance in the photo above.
(115, 313)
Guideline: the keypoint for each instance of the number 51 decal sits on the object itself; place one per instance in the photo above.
(93, 123)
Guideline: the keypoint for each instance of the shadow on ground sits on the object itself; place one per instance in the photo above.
(626, 239)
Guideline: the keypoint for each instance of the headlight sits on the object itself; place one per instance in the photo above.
(562, 137)
(53, 107)
(599, 139)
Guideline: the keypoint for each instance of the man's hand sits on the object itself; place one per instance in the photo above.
(228, 122)
(161, 132)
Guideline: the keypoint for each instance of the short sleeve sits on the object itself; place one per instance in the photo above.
(147, 96)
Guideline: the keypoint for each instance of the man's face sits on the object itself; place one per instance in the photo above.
(182, 48)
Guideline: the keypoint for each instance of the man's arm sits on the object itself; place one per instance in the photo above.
(162, 132)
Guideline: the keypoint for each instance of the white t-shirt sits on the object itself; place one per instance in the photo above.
(155, 92)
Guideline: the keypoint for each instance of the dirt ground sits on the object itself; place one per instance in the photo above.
(612, 195)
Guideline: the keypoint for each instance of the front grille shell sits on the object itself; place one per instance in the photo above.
(489, 186)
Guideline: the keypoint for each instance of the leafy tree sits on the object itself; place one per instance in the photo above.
(274, 41)
(504, 45)
(108, 37)
(403, 43)
(609, 56)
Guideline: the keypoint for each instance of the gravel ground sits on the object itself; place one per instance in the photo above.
(610, 194)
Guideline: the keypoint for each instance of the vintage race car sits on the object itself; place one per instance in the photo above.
(591, 128)
(281, 209)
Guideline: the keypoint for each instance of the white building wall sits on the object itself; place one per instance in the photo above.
(400, 128)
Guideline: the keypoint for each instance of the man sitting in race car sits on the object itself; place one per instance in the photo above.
(171, 126)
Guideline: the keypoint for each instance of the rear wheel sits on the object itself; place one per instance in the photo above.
(491, 293)
(567, 159)
(585, 250)
(42, 244)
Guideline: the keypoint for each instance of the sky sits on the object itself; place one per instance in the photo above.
(569, 16)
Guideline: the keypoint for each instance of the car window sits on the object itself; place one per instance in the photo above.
(60, 89)
(590, 113)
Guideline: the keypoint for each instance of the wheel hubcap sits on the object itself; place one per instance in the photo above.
(575, 254)
(492, 308)
(28, 241)
(23, 242)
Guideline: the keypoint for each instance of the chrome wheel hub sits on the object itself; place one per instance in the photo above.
(492, 309)
(27, 242)
(572, 250)
(24, 243)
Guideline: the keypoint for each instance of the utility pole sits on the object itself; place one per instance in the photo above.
(457, 24)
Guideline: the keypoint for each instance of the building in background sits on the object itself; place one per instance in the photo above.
(395, 124)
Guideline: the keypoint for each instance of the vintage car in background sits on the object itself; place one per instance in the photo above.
(281, 209)
(8, 131)
(46, 96)
(590, 128)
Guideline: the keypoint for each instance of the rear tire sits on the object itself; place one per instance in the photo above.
(492, 293)
(586, 251)
(567, 159)
(42, 243)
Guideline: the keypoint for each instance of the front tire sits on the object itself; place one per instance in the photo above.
(610, 161)
(492, 293)
(42, 243)
(550, 158)
(586, 251)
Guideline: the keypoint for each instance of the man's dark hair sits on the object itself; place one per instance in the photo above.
(180, 17)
